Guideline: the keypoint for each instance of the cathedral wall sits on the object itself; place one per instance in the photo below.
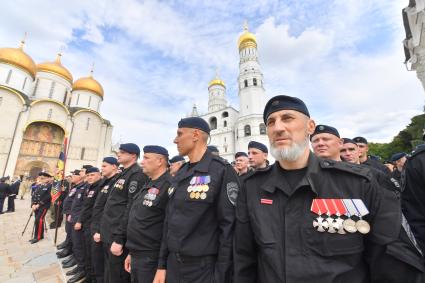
(46, 110)
(16, 78)
(85, 99)
(50, 86)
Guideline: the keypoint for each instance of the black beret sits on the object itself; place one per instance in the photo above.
(320, 129)
(155, 149)
(87, 166)
(130, 148)
(347, 140)
(176, 158)
(44, 174)
(397, 156)
(258, 145)
(240, 153)
(76, 172)
(194, 123)
(111, 160)
(284, 102)
(213, 148)
(92, 170)
(360, 140)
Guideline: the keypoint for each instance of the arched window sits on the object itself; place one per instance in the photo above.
(254, 81)
(262, 129)
(245, 83)
(225, 124)
(52, 89)
(83, 151)
(213, 123)
(88, 124)
(9, 75)
(225, 114)
(25, 82)
(247, 130)
(49, 114)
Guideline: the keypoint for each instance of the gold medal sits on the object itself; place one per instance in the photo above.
(362, 226)
(206, 188)
(349, 225)
(203, 195)
(192, 195)
(197, 195)
(189, 189)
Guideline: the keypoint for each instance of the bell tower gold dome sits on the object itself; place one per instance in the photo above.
(55, 67)
(18, 58)
(247, 39)
(88, 83)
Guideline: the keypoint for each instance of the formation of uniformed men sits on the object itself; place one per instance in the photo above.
(331, 215)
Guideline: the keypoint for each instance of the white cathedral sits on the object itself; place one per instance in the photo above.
(231, 129)
(41, 106)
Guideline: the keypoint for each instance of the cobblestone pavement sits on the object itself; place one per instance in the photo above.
(20, 261)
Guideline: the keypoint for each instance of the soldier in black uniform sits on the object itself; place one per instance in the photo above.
(123, 189)
(365, 159)
(40, 203)
(326, 142)
(413, 195)
(146, 217)
(198, 231)
(77, 234)
(257, 154)
(398, 160)
(175, 164)
(109, 171)
(305, 219)
(242, 165)
(4, 189)
(83, 223)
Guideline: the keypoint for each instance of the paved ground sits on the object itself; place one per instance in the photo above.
(20, 261)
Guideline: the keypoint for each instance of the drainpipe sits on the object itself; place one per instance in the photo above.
(14, 134)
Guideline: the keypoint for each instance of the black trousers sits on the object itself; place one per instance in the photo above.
(1, 204)
(68, 230)
(88, 240)
(143, 267)
(11, 203)
(194, 270)
(114, 266)
(39, 215)
(57, 213)
(78, 247)
(98, 261)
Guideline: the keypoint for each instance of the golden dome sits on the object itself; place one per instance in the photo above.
(18, 58)
(216, 81)
(88, 83)
(55, 67)
(247, 39)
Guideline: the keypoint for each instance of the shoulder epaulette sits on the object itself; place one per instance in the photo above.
(220, 159)
(258, 172)
(352, 168)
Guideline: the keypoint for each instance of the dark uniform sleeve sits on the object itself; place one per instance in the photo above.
(245, 255)
(163, 251)
(135, 182)
(99, 204)
(226, 221)
(86, 211)
(45, 197)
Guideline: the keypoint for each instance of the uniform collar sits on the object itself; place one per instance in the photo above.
(276, 181)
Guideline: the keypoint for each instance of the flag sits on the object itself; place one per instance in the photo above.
(60, 171)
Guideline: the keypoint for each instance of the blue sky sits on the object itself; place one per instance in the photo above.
(155, 58)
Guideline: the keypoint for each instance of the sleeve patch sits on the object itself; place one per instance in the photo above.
(232, 192)
(132, 187)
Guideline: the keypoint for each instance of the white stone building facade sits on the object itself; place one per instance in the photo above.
(231, 129)
(41, 106)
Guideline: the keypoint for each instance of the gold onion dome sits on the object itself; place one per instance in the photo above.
(247, 39)
(55, 67)
(216, 81)
(18, 58)
(88, 83)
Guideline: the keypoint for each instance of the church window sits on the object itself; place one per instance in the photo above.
(89, 101)
(213, 123)
(83, 151)
(225, 124)
(25, 82)
(262, 129)
(224, 139)
(87, 124)
(225, 114)
(245, 83)
(49, 114)
(247, 130)
(52, 89)
(9, 75)
(36, 87)
(254, 81)
(78, 99)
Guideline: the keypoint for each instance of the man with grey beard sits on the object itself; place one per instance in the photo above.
(304, 219)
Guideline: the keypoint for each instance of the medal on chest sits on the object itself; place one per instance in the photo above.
(119, 184)
(150, 196)
(198, 187)
(105, 189)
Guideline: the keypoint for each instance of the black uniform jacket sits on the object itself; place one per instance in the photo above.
(147, 214)
(77, 202)
(202, 226)
(99, 204)
(88, 202)
(42, 195)
(120, 197)
(275, 240)
(377, 165)
(4, 190)
(413, 196)
(67, 203)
